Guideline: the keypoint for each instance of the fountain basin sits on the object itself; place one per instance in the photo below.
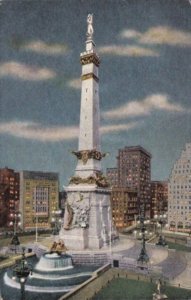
(53, 275)
(54, 261)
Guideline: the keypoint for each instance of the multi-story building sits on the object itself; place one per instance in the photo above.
(159, 197)
(124, 207)
(179, 193)
(9, 195)
(112, 176)
(4, 205)
(134, 171)
(39, 197)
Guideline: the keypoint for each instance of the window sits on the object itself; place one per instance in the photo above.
(41, 200)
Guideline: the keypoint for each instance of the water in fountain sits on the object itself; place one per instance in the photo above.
(54, 261)
(53, 275)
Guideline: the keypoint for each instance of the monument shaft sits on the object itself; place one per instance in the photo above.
(87, 219)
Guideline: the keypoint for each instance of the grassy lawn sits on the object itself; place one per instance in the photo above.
(178, 247)
(121, 289)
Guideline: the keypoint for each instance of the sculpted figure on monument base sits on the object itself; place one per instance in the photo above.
(58, 247)
(68, 216)
(76, 214)
(98, 178)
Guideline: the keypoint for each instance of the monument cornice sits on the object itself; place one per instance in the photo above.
(90, 75)
(90, 58)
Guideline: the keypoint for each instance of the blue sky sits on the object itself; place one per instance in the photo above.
(145, 50)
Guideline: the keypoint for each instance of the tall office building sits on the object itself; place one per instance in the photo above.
(9, 195)
(124, 207)
(134, 171)
(112, 176)
(4, 195)
(39, 197)
(179, 193)
(159, 197)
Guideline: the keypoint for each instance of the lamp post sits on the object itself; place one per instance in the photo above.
(138, 231)
(56, 221)
(15, 223)
(21, 271)
(161, 220)
(143, 256)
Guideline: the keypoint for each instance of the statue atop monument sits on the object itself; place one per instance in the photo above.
(90, 29)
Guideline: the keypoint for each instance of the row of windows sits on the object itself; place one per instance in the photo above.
(41, 209)
(176, 182)
(182, 171)
(182, 197)
(180, 207)
(181, 202)
(180, 186)
(180, 213)
(180, 166)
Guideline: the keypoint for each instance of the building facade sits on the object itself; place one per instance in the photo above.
(124, 207)
(134, 172)
(179, 193)
(39, 197)
(159, 197)
(112, 176)
(9, 195)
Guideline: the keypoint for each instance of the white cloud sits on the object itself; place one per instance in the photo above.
(35, 131)
(127, 51)
(160, 35)
(119, 127)
(130, 34)
(144, 107)
(45, 48)
(25, 72)
(75, 83)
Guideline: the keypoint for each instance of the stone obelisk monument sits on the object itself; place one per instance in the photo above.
(87, 219)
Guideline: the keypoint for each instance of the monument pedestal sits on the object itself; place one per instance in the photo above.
(77, 238)
(87, 222)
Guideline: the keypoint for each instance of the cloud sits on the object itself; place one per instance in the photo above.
(35, 131)
(44, 48)
(130, 34)
(144, 107)
(75, 83)
(127, 51)
(119, 127)
(25, 72)
(160, 35)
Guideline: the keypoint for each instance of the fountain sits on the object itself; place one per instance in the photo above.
(52, 261)
(54, 273)
(55, 259)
